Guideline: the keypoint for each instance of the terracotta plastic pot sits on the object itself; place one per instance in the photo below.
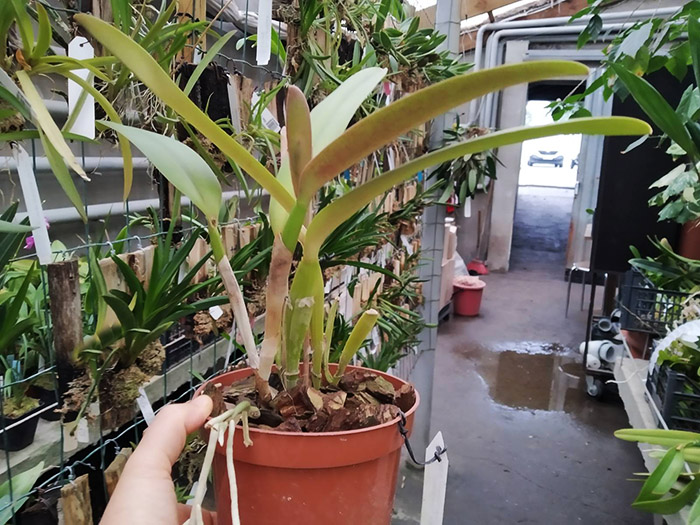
(339, 478)
(689, 245)
(467, 297)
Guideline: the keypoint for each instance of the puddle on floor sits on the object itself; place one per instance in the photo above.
(530, 375)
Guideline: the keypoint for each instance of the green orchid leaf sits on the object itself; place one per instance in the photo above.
(142, 64)
(178, 163)
(298, 133)
(24, 24)
(329, 119)
(44, 36)
(11, 227)
(109, 110)
(206, 60)
(22, 484)
(47, 124)
(384, 125)
(340, 210)
(58, 167)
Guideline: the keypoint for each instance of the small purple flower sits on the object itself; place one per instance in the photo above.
(29, 245)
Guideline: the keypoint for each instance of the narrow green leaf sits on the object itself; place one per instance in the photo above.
(341, 209)
(15, 102)
(22, 484)
(11, 227)
(180, 164)
(159, 82)
(47, 124)
(44, 36)
(24, 24)
(63, 176)
(206, 60)
(666, 438)
(124, 146)
(656, 107)
(694, 514)
(669, 474)
(385, 124)
(122, 311)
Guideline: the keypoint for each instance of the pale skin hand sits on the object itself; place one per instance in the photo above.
(145, 494)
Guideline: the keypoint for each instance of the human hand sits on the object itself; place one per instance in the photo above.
(145, 494)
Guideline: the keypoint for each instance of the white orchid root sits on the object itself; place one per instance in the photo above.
(218, 426)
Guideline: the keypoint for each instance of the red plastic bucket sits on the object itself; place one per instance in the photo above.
(343, 478)
(467, 297)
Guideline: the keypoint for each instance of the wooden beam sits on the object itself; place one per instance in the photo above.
(75, 499)
(478, 7)
(191, 10)
(114, 471)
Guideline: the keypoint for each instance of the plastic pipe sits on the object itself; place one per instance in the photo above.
(557, 21)
(97, 211)
(492, 56)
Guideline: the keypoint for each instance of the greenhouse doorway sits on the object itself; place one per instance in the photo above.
(547, 185)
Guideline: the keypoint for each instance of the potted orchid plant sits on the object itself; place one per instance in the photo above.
(326, 444)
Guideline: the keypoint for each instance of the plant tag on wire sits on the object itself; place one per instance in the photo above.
(434, 484)
(84, 122)
(268, 119)
(216, 312)
(234, 103)
(32, 201)
(264, 42)
(145, 406)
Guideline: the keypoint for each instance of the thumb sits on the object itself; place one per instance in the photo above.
(165, 437)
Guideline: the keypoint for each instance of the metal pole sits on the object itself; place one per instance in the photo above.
(447, 22)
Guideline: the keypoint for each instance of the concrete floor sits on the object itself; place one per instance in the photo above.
(526, 444)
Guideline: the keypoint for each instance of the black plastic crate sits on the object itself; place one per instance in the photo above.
(677, 398)
(648, 309)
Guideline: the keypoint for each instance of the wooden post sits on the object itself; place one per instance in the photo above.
(66, 317)
(102, 9)
(75, 496)
(114, 471)
(190, 10)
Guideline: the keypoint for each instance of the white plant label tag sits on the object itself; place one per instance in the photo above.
(82, 433)
(264, 44)
(32, 201)
(234, 104)
(145, 406)
(467, 207)
(70, 443)
(216, 312)
(268, 119)
(84, 123)
(434, 484)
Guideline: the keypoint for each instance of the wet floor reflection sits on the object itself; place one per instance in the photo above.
(530, 375)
